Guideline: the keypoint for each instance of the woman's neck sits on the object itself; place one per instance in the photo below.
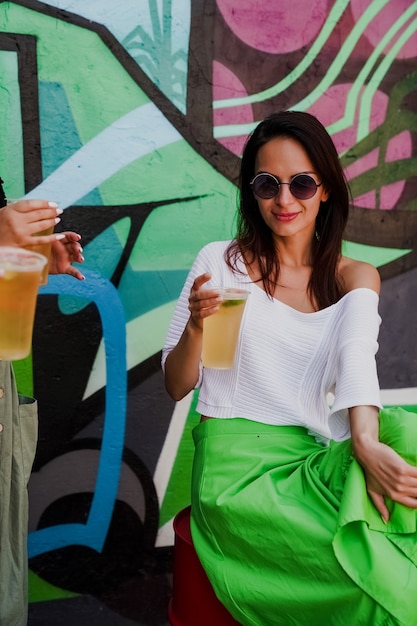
(293, 252)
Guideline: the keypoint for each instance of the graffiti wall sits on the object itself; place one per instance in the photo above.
(132, 115)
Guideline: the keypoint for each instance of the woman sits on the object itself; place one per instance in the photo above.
(301, 513)
(18, 414)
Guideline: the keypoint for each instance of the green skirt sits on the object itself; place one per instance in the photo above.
(287, 533)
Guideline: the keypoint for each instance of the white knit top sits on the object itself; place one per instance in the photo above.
(287, 362)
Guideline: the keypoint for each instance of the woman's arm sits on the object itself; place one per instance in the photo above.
(182, 365)
(22, 219)
(386, 473)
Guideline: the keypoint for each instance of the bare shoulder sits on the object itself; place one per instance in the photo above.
(355, 274)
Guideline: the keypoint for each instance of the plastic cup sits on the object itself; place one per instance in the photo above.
(45, 250)
(221, 330)
(20, 272)
(42, 248)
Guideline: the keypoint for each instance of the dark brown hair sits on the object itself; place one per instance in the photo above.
(254, 239)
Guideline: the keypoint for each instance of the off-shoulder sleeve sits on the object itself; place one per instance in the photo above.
(356, 372)
(209, 259)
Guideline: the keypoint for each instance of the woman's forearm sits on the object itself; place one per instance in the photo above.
(182, 365)
(364, 428)
(387, 474)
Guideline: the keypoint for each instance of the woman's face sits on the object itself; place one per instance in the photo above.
(285, 214)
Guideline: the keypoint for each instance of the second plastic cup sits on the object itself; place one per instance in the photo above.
(45, 250)
(221, 330)
(20, 272)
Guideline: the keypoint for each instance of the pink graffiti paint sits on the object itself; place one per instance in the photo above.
(227, 85)
(275, 27)
(382, 22)
(330, 108)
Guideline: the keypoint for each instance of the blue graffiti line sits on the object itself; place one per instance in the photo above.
(93, 533)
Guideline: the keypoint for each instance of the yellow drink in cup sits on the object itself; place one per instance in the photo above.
(221, 330)
(20, 272)
(45, 249)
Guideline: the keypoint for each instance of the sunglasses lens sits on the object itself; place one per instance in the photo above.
(303, 187)
(265, 186)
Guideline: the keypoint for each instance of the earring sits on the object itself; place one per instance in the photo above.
(317, 235)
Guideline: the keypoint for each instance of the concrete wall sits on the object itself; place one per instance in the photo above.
(132, 115)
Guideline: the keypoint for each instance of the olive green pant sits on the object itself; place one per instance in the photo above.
(18, 438)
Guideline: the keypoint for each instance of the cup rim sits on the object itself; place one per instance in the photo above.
(233, 293)
(13, 250)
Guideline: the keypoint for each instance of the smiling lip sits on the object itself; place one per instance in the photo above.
(285, 217)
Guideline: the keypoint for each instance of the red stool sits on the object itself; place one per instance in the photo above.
(193, 601)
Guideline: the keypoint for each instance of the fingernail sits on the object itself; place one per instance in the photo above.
(53, 205)
(59, 236)
(384, 520)
(59, 211)
(57, 220)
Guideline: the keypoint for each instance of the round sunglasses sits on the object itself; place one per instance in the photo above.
(266, 186)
